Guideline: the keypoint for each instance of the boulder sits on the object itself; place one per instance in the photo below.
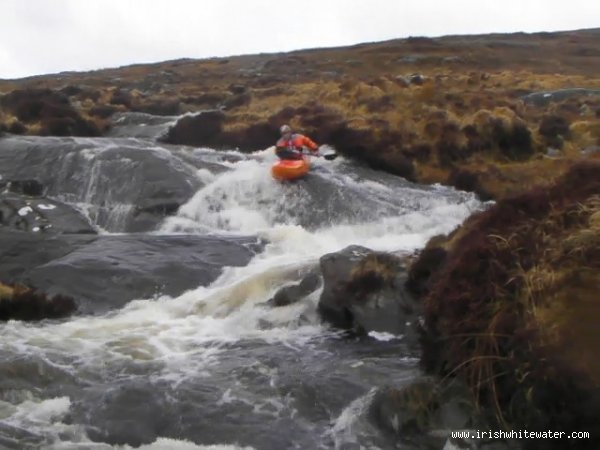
(140, 125)
(363, 291)
(201, 129)
(206, 129)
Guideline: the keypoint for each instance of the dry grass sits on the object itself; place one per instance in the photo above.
(563, 289)
(372, 273)
(6, 292)
(514, 308)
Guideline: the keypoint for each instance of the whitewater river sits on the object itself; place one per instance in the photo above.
(215, 367)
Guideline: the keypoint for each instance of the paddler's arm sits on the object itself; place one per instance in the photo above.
(308, 142)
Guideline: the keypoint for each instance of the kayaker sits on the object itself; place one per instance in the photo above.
(291, 145)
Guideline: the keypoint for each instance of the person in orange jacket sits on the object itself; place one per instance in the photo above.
(291, 145)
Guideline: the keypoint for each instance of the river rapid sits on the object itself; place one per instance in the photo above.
(215, 367)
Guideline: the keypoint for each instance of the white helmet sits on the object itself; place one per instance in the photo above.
(285, 129)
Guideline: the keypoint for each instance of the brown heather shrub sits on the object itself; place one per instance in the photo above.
(208, 99)
(427, 92)
(585, 132)
(103, 111)
(380, 104)
(554, 129)
(422, 271)
(235, 101)
(419, 152)
(500, 131)
(122, 97)
(373, 272)
(18, 302)
(283, 116)
(362, 93)
(495, 310)
(468, 181)
(29, 105)
(451, 146)
(16, 127)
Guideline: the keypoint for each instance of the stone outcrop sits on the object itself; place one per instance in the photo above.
(363, 291)
(201, 129)
(128, 187)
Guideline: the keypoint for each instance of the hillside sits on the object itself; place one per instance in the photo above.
(492, 113)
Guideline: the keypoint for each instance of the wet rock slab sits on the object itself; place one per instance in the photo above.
(103, 272)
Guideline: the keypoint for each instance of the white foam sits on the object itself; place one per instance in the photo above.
(383, 336)
(175, 444)
(25, 210)
(43, 411)
(347, 429)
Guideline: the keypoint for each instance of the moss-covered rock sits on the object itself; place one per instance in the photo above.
(18, 302)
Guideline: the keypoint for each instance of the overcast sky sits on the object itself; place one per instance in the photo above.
(49, 36)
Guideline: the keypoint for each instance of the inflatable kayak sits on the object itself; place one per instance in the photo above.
(290, 169)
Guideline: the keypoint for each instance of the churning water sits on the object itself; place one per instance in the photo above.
(215, 367)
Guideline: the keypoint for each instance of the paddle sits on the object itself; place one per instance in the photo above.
(328, 156)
